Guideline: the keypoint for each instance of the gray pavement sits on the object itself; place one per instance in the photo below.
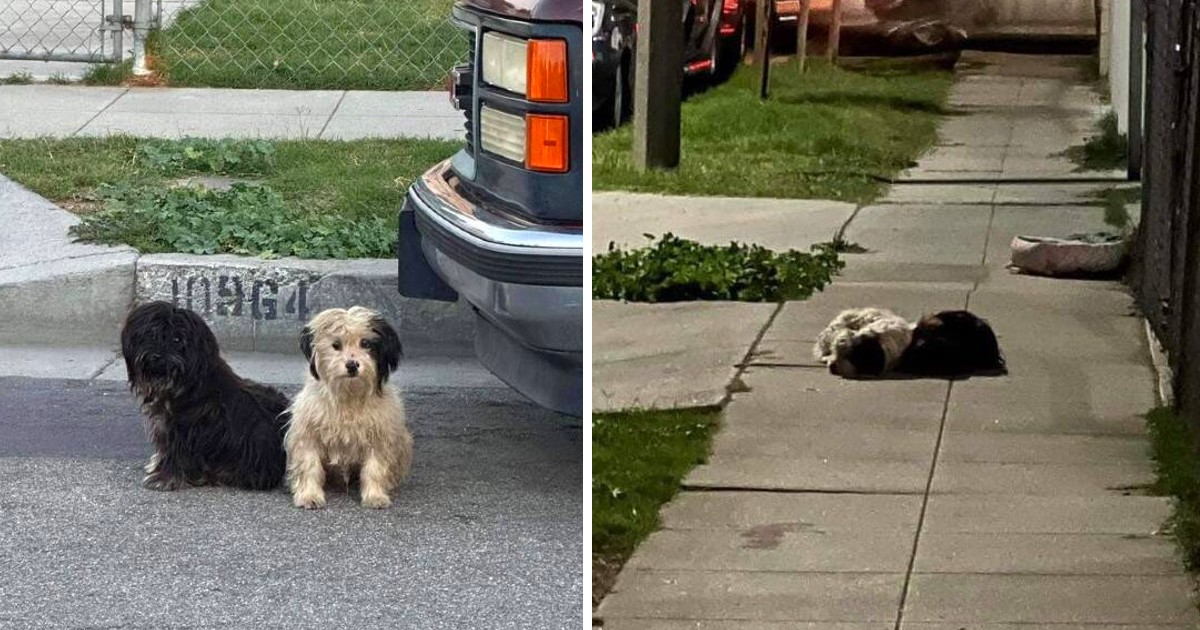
(997, 503)
(1014, 116)
(625, 218)
(486, 533)
(28, 111)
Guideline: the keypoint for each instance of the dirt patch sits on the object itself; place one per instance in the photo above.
(769, 536)
(80, 206)
(604, 575)
(218, 183)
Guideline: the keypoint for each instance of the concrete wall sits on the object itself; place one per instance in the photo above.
(1114, 58)
(1067, 12)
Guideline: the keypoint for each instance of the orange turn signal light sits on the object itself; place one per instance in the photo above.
(546, 146)
(546, 70)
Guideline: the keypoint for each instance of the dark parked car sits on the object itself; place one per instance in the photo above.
(614, 33)
(501, 222)
(714, 42)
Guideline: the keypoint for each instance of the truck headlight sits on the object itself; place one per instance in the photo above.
(538, 141)
(504, 62)
(502, 133)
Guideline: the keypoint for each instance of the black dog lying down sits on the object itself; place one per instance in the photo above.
(207, 425)
(872, 342)
(952, 343)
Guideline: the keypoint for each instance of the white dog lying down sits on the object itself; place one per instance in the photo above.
(863, 342)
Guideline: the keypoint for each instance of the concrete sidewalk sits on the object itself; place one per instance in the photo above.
(989, 503)
(28, 111)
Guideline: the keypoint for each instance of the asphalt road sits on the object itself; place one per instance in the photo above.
(487, 533)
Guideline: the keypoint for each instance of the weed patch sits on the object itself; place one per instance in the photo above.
(246, 219)
(1107, 150)
(201, 155)
(676, 270)
(309, 198)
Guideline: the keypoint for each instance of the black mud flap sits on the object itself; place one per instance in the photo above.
(416, 278)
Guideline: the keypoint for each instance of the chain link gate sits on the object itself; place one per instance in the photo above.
(61, 30)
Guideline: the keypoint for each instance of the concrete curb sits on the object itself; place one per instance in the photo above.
(256, 304)
(56, 291)
(1162, 367)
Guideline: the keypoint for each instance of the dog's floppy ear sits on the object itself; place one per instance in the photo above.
(306, 346)
(388, 349)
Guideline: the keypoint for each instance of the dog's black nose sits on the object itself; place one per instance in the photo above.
(352, 367)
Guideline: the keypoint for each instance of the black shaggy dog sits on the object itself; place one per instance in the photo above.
(952, 343)
(207, 425)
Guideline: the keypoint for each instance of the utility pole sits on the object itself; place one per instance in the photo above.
(658, 84)
(802, 33)
(835, 33)
(762, 44)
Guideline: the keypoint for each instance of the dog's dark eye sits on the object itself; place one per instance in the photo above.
(177, 340)
(337, 345)
(367, 343)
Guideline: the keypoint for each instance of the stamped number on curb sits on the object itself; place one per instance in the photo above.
(229, 295)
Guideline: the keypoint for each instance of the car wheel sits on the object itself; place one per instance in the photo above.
(619, 99)
(733, 51)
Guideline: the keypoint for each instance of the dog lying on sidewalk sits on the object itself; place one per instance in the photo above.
(873, 342)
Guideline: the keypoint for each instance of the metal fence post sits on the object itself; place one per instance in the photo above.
(141, 30)
(118, 30)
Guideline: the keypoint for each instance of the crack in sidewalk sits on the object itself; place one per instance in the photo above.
(735, 384)
(912, 560)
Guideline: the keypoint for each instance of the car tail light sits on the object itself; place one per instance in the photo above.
(502, 133)
(729, 6)
(547, 148)
(547, 74)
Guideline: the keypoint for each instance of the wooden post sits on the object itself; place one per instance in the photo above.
(658, 85)
(802, 33)
(762, 44)
(835, 33)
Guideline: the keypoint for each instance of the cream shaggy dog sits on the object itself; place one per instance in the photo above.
(863, 342)
(348, 420)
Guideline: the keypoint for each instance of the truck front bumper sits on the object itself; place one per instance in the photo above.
(524, 280)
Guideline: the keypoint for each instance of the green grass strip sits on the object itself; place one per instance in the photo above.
(826, 134)
(1178, 476)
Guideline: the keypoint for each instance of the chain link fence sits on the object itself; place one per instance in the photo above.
(63, 30)
(309, 44)
(294, 44)
(1167, 269)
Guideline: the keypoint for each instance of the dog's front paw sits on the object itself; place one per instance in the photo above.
(162, 483)
(376, 501)
(309, 500)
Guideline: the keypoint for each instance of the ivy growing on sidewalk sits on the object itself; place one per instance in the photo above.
(676, 270)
